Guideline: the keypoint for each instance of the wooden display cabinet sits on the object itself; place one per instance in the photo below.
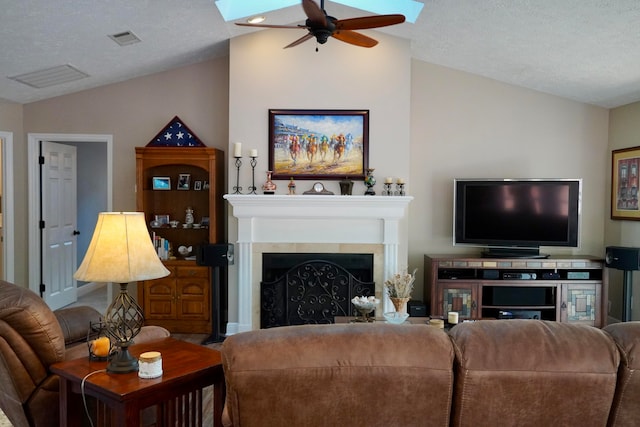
(570, 289)
(180, 302)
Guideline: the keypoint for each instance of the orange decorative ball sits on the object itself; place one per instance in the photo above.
(101, 346)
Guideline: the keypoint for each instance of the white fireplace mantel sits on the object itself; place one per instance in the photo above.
(312, 219)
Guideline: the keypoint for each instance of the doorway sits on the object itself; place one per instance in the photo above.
(6, 206)
(94, 176)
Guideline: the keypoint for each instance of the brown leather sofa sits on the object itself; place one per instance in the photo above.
(486, 373)
(32, 338)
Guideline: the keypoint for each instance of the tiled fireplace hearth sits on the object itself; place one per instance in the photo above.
(314, 224)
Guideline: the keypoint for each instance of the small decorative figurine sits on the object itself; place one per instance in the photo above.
(292, 187)
(188, 219)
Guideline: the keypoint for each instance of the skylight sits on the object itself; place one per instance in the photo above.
(234, 9)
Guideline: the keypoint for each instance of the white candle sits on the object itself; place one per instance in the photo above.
(400, 181)
(388, 180)
(452, 317)
(253, 152)
(237, 149)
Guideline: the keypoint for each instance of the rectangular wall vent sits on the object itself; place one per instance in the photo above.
(50, 76)
(125, 38)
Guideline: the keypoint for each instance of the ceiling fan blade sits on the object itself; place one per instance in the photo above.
(300, 40)
(243, 24)
(316, 15)
(354, 38)
(365, 22)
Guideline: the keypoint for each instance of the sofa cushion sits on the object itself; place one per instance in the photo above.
(626, 410)
(348, 374)
(74, 322)
(532, 373)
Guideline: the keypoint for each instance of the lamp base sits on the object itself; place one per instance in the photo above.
(123, 362)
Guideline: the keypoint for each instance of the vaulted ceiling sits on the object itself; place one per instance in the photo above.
(586, 50)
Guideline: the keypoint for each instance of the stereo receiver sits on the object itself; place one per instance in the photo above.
(519, 276)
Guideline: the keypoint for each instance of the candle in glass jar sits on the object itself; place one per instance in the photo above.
(253, 152)
(452, 317)
(237, 149)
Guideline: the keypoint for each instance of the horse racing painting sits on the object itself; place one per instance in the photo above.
(318, 144)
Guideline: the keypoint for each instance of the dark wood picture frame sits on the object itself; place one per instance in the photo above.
(318, 144)
(625, 165)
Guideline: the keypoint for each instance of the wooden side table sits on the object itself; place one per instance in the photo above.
(187, 369)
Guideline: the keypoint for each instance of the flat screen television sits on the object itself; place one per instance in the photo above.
(514, 217)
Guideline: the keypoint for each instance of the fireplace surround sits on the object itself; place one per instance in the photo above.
(314, 224)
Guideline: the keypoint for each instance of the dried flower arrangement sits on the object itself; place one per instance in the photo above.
(400, 285)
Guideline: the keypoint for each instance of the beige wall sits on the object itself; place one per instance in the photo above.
(263, 75)
(466, 126)
(624, 129)
(136, 110)
(339, 76)
(429, 124)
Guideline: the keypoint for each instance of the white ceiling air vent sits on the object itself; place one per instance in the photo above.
(125, 38)
(50, 76)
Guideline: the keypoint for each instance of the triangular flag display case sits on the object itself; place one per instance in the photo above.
(175, 134)
(179, 187)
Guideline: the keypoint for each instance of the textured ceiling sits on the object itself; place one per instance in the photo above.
(586, 50)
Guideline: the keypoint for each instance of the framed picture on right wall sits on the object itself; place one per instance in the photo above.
(624, 184)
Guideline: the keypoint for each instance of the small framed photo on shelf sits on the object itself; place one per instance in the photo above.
(205, 186)
(197, 185)
(184, 181)
(162, 220)
(161, 183)
(204, 221)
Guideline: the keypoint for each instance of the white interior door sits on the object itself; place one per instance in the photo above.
(59, 223)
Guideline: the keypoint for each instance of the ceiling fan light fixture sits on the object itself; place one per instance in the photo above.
(256, 19)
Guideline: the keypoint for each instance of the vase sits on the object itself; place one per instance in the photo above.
(400, 304)
(346, 186)
(269, 187)
(370, 181)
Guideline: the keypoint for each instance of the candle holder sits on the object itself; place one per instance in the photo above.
(400, 189)
(237, 189)
(387, 189)
(253, 163)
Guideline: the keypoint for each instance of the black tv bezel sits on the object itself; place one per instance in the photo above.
(511, 248)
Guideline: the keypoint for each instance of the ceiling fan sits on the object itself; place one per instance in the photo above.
(322, 26)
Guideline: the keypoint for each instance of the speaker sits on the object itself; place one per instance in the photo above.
(417, 309)
(621, 258)
(215, 255)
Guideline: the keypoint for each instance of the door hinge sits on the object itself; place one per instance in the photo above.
(41, 160)
(42, 289)
(42, 224)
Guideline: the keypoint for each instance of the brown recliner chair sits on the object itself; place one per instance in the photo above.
(625, 410)
(32, 338)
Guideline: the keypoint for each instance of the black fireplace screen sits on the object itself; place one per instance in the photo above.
(313, 291)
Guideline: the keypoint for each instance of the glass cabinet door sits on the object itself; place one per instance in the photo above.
(580, 304)
(462, 298)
